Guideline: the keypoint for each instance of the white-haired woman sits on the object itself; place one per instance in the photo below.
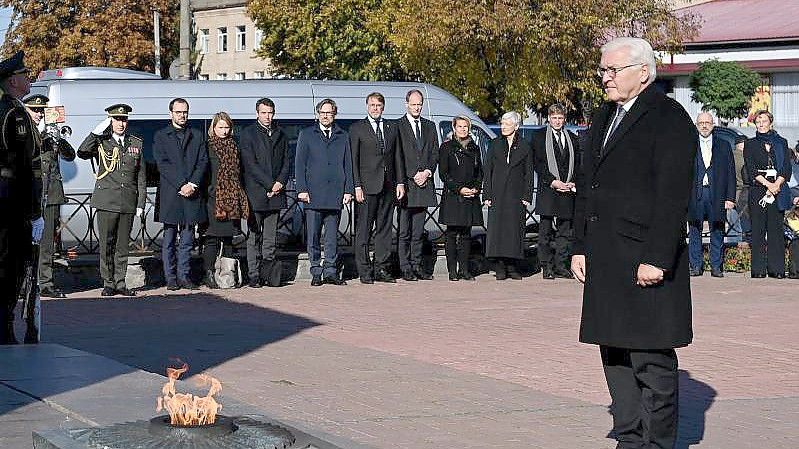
(507, 191)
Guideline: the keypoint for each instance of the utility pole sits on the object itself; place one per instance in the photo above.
(157, 40)
(185, 32)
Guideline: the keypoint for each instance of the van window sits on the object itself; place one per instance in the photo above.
(479, 135)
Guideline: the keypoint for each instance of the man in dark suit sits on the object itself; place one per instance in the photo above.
(713, 195)
(632, 199)
(556, 164)
(323, 169)
(119, 193)
(376, 164)
(418, 146)
(265, 171)
(182, 159)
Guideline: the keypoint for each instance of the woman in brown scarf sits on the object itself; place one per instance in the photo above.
(227, 202)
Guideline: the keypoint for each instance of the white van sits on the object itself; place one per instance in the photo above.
(86, 91)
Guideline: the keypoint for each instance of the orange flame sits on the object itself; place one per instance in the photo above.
(186, 409)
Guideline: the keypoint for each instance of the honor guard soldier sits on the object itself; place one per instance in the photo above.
(119, 193)
(51, 146)
(21, 223)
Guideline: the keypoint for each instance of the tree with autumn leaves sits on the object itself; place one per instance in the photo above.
(107, 33)
(494, 55)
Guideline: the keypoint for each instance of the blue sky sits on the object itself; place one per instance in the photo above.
(5, 16)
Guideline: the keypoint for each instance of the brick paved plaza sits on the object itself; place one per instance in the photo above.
(436, 364)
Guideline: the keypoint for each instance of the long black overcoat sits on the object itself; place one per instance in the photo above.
(460, 167)
(507, 184)
(632, 201)
(549, 201)
(178, 166)
(264, 160)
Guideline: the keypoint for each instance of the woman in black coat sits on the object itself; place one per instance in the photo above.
(768, 165)
(461, 171)
(507, 191)
(226, 200)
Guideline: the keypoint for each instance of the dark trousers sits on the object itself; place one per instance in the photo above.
(15, 248)
(176, 252)
(315, 219)
(767, 225)
(695, 254)
(113, 233)
(411, 230)
(554, 243)
(52, 214)
(794, 251)
(211, 249)
(457, 243)
(376, 210)
(262, 241)
(644, 387)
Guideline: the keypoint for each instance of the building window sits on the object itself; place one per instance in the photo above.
(241, 38)
(258, 75)
(221, 44)
(204, 76)
(203, 42)
(221, 76)
(240, 76)
(259, 36)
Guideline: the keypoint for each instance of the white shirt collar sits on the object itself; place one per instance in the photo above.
(627, 106)
(325, 129)
(412, 119)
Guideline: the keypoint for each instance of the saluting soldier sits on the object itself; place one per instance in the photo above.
(119, 193)
(51, 146)
(21, 223)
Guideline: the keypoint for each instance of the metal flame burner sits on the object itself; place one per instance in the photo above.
(226, 433)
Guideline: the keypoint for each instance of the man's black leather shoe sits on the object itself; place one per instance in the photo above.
(423, 275)
(172, 287)
(777, 275)
(125, 292)
(383, 276)
(454, 277)
(793, 275)
(189, 285)
(548, 274)
(758, 275)
(465, 275)
(716, 273)
(409, 275)
(696, 273)
(563, 274)
(108, 291)
(515, 275)
(334, 280)
(51, 292)
(254, 283)
(367, 279)
(316, 281)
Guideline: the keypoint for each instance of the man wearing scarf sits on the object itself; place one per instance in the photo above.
(556, 151)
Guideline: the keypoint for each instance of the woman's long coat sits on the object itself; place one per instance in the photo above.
(508, 180)
(460, 167)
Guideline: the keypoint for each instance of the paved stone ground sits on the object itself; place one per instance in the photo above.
(440, 364)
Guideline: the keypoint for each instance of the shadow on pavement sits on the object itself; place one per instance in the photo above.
(696, 398)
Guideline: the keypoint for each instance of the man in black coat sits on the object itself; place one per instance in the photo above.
(265, 171)
(182, 159)
(712, 196)
(418, 146)
(630, 251)
(556, 163)
(376, 164)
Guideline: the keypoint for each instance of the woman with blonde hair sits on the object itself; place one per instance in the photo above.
(226, 199)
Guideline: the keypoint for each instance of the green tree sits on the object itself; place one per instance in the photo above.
(325, 39)
(724, 87)
(112, 33)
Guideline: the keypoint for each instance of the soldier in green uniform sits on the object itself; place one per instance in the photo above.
(21, 223)
(51, 146)
(119, 193)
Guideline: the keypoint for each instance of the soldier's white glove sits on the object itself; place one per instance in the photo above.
(37, 228)
(100, 128)
(139, 212)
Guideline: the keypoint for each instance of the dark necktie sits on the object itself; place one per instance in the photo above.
(327, 134)
(559, 138)
(418, 132)
(381, 144)
(620, 111)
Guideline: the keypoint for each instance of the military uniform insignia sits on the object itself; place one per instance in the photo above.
(134, 150)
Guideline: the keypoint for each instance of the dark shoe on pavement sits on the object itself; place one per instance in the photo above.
(716, 273)
(777, 275)
(171, 286)
(409, 275)
(334, 280)
(367, 279)
(465, 275)
(513, 274)
(189, 285)
(31, 336)
(108, 291)
(124, 291)
(316, 280)
(758, 275)
(563, 274)
(454, 276)
(209, 280)
(548, 273)
(51, 292)
(421, 274)
(501, 275)
(254, 283)
(696, 272)
(383, 276)
(793, 275)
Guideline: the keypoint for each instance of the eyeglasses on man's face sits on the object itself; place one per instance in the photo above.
(327, 113)
(613, 71)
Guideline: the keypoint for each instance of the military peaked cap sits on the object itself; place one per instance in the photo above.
(36, 101)
(13, 65)
(118, 110)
